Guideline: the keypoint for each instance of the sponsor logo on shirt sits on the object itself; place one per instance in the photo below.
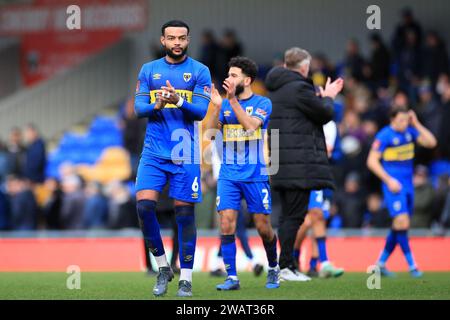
(157, 76)
(227, 113)
(236, 132)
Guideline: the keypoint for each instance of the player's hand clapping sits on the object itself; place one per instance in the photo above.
(216, 98)
(230, 89)
(169, 95)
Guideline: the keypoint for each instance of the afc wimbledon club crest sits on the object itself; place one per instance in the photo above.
(249, 110)
(187, 76)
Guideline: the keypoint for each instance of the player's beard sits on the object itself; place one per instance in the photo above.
(239, 89)
(174, 56)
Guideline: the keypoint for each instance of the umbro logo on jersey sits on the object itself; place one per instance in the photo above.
(227, 113)
(157, 76)
(187, 77)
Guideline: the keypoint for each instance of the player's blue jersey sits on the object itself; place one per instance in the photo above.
(244, 160)
(397, 152)
(192, 81)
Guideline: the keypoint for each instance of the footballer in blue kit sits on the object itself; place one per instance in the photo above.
(392, 160)
(243, 118)
(173, 93)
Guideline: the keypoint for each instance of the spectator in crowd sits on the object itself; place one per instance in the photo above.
(423, 199)
(53, 204)
(444, 132)
(410, 64)
(354, 62)
(445, 216)
(380, 62)
(96, 207)
(35, 155)
(16, 152)
(23, 206)
(229, 47)
(436, 59)
(122, 210)
(209, 51)
(73, 202)
(376, 215)
(4, 210)
(4, 162)
(351, 201)
(428, 109)
(408, 24)
(133, 130)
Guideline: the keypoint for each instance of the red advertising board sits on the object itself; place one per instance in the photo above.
(49, 45)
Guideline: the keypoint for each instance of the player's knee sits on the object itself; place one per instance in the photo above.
(227, 225)
(401, 222)
(185, 215)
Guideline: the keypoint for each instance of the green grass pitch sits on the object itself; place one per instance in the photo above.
(135, 285)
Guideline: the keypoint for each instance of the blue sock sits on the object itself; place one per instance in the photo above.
(296, 254)
(313, 263)
(391, 242)
(243, 238)
(322, 247)
(271, 251)
(150, 226)
(403, 241)
(187, 235)
(228, 245)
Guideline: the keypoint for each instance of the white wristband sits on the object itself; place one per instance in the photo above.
(180, 102)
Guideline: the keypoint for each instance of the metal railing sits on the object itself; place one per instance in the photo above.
(70, 97)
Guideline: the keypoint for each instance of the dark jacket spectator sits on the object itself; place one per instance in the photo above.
(408, 24)
(423, 199)
(35, 156)
(122, 210)
(73, 202)
(351, 202)
(436, 60)
(16, 153)
(354, 62)
(4, 211)
(96, 207)
(52, 207)
(24, 209)
(444, 132)
(380, 62)
(299, 115)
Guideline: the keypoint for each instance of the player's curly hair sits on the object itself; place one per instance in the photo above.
(248, 66)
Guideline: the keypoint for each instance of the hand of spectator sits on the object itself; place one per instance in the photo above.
(332, 89)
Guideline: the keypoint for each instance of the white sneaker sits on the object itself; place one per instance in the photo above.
(289, 275)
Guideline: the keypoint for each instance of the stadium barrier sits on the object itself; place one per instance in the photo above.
(126, 253)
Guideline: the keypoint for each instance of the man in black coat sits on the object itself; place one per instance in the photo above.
(299, 114)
